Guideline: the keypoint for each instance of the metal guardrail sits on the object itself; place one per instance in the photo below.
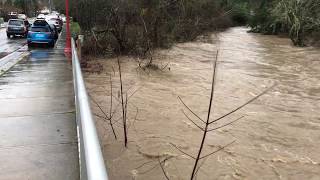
(92, 165)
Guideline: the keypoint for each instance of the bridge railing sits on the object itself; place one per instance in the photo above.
(92, 165)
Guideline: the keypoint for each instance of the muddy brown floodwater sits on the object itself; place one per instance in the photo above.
(277, 139)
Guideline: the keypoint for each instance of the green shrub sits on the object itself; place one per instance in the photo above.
(75, 29)
(240, 13)
(297, 18)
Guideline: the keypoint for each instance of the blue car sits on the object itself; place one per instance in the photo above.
(41, 33)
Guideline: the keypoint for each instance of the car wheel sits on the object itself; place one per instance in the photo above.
(51, 45)
(8, 36)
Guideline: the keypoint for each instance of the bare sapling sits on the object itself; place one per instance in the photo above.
(206, 124)
(124, 105)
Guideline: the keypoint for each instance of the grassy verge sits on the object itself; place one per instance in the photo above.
(75, 29)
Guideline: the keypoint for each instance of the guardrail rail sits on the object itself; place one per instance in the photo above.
(92, 166)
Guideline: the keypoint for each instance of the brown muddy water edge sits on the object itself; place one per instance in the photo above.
(277, 139)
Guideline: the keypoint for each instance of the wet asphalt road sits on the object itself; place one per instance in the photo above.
(38, 137)
(8, 46)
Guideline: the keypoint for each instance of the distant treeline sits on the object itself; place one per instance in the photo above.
(30, 7)
(299, 19)
(138, 26)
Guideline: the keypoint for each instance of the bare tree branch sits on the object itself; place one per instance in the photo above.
(111, 94)
(165, 66)
(143, 164)
(105, 114)
(190, 109)
(162, 168)
(101, 117)
(123, 107)
(199, 167)
(134, 120)
(243, 105)
(217, 150)
(226, 124)
(126, 109)
(134, 92)
(192, 120)
(182, 151)
(153, 167)
(111, 115)
(98, 105)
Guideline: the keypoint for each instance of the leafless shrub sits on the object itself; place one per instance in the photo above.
(117, 102)
(107, 117)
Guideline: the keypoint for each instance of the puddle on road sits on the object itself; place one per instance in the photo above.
(39, 55)
(278, 138)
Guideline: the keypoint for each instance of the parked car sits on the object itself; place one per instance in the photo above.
(17, 27)
(56, 22)
(63, 18)
(59, 18)
(41, 16)
(42, 33)
(55, 30)
(12, 15)
(22, 16)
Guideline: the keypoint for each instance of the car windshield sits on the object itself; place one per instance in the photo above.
(40, 23)
(40, 29)
(15, 23)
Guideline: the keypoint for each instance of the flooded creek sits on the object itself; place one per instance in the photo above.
(277, 138)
